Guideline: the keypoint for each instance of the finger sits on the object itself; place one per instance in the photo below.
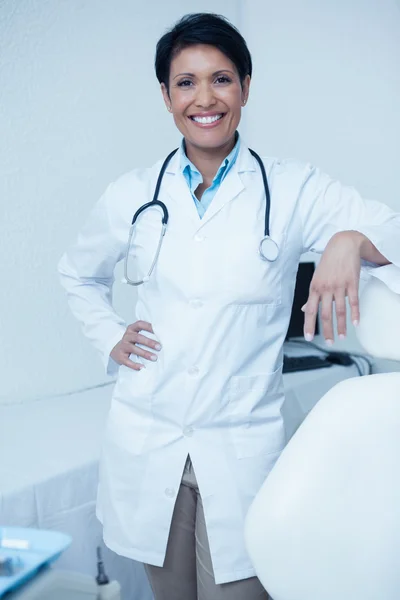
(145, 341)
(310, 315)
(326, 317)
(132, 365)
(340, 305)
(140, 326)
(131, 348)
(352, 293)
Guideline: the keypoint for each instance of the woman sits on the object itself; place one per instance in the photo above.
(195, 423)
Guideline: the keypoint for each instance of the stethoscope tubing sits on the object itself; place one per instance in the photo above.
(266, 241)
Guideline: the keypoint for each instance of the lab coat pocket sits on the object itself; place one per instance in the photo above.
(255, 421)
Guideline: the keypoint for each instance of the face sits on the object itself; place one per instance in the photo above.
(205, 96)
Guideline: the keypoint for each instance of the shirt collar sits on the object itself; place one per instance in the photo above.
(187, 166)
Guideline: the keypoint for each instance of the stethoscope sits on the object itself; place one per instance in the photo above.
(268, 248)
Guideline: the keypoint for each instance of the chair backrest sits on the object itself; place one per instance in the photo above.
(379, 328)
(326, 522)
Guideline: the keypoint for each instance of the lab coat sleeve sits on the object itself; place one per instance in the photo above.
(327, 207)
(87, 273)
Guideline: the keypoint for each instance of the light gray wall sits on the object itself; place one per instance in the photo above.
(80, 104)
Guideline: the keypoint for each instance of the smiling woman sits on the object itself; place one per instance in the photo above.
(204, 68)
(193, 436)
(206, 103)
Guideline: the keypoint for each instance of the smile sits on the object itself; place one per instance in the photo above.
(207, 120)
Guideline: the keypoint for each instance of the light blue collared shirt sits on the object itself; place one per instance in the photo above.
(194, 177)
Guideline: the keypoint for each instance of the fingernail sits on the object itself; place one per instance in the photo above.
(355, 323)
(158, 346)
(329, 342)
(308, 337)
(342, 336)
(153, 357)
(142, 367)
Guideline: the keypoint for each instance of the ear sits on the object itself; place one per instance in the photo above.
(166, 97)
(246, 89)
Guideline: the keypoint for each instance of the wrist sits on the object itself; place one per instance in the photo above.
(362, 242)
(359, 240)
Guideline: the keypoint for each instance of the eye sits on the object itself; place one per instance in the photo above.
(223, 79)
(184, 83)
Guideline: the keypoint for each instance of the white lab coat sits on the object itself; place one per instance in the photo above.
(221, 314)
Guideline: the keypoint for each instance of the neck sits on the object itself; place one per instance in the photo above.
(208, 160)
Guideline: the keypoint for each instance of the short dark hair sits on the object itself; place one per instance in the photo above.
(202, 28)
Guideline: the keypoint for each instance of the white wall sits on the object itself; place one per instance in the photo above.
(79, 105)
(326, 89)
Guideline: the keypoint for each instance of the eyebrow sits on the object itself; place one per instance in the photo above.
(214, 74)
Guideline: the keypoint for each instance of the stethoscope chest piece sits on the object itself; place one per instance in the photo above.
(268, 249)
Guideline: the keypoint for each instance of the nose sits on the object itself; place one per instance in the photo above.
(205, 96)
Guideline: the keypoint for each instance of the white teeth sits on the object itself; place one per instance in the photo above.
(207, 119)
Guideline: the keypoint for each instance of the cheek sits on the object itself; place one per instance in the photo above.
(180, 102)
(235, 113)
(181, 121)
(234, 101)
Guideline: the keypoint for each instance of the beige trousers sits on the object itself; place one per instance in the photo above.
(187, 573)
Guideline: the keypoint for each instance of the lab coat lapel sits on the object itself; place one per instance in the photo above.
(179, 194)
(231, 186)
(176, 187)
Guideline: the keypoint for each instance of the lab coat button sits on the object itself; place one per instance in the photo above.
(188, 431)
(193, 371)
(196, 303)
(169, 492)
(199, 238)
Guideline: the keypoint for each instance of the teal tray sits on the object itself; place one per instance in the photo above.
(41, 548)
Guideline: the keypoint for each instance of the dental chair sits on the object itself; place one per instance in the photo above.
(326, 522)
